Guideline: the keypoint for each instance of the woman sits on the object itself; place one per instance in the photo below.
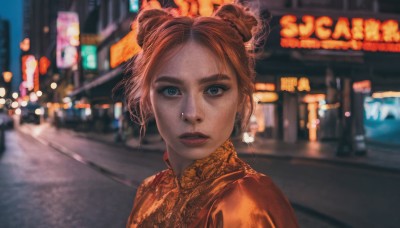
(195, 78)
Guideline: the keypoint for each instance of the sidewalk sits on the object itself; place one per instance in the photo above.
(378, 156)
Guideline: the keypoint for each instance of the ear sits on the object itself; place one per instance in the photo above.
(240, 105)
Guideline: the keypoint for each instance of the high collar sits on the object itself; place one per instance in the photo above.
(210, 167)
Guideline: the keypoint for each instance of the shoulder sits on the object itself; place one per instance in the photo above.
(153, 181)
(253, 200)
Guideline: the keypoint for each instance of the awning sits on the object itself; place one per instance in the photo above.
(97, 82)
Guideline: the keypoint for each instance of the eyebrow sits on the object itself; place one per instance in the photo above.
(212, 78)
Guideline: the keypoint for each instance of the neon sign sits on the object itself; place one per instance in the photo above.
(264, 86)
(362, 86)
(323, 32)
(293, 84)
(189, 7)
(265, 97)
(30, 73)
(124, 49)
(89, 57)
(44, 64)
(67, 39)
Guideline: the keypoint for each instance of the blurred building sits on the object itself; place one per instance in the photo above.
(321, 59)
(4, 45)
(67, 45)
(4, 57)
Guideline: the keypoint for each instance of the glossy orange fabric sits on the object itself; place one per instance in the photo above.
(218, 191)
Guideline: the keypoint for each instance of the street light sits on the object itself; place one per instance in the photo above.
(53, 85)
(7, 75)
(25, 45)
(2, 92)
(39, 93)
(14, 104)
(15, 95)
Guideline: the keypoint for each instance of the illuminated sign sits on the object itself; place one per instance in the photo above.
(89, 39)
(44, 64)
(89, 57)
(313, 98)
(303, 84)
(264, 86)
(362, 86)
(265, 97)
(312, 121)
(30, 74)
(134, 6)
(189, 7)
(199, 7)
(342, 34)
(124, 49)
(386, 94)
(293, 84)
(67, 39)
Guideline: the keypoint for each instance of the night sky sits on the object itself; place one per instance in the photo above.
(11, 10)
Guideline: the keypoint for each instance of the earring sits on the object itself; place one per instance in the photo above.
(182, 115)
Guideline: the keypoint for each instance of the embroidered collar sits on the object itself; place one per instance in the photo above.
(219, 162)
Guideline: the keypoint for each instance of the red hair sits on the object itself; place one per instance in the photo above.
(225, 34)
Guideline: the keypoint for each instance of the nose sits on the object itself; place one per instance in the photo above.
(192, 111)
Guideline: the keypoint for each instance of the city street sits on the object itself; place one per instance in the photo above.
(311, 88)
(55, 178)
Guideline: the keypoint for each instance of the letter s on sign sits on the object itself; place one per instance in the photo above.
(289, 26)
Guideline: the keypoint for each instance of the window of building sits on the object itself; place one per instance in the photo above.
(116, 10)
(389, 6)
(124, 8)
(321, 4)
(104, 13)
(367, 5)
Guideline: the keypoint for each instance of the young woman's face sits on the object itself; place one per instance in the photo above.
(194, 101)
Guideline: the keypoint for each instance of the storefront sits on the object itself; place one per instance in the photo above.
(316, 62)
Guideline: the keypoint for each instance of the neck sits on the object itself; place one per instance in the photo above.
(178, 163)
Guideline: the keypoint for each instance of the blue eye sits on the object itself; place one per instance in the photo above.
(169, 91)
(216, 90)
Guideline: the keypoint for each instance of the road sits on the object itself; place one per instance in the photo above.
(54, 178)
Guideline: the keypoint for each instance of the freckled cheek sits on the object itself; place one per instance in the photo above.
(166, 115)
(224, 112)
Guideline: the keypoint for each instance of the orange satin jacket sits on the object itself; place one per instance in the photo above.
(218, 191)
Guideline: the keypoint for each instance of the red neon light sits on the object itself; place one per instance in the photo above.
(355, 34)
(44, 64)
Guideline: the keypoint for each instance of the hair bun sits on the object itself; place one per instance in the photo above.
(240, 19)
(148, 20)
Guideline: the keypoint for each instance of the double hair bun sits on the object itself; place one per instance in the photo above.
(239, 19)
(148, 21)
(234, 15)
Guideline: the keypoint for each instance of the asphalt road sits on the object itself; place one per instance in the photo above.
(51, 178)
(42, 188)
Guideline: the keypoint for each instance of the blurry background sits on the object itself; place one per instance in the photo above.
(325, 128)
